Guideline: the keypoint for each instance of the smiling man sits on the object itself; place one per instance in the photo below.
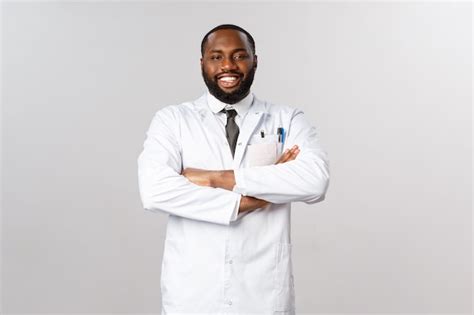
(229, 82)
(226, 168)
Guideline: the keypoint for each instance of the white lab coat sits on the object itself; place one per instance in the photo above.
(213, 262)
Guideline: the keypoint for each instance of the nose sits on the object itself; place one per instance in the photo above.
(228, 64)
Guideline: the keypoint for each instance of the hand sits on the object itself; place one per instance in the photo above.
(289, 155)
(198, 176)
(250, 203)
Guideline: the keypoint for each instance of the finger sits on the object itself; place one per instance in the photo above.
(294, 154)
(289, 152)
(283, 157)
(290, 158)
(288, 155)
(292, 151)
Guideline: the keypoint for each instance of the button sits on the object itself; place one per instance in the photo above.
(240, 143)
(229, 302)
(231, 262)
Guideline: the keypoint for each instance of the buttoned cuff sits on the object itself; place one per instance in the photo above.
(240, 186)
(235, 213)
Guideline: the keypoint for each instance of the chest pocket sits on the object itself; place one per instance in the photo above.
(262, 151)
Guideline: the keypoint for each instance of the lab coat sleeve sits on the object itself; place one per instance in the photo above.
(304, 179)
(163, 188)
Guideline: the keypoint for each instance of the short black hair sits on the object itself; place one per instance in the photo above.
(228, 27)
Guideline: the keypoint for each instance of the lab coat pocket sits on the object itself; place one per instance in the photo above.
(263, 151)
(261, 154)
(284, 291)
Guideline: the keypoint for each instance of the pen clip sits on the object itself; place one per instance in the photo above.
(280, 134)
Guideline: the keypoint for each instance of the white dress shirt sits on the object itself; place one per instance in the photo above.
(240, 107)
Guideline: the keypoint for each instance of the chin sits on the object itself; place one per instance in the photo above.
(229, 92)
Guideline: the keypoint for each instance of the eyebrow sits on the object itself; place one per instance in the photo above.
(233, 51)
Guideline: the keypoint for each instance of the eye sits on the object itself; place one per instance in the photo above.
(241, 57)
(216, 57)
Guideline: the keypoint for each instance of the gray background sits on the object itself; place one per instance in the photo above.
(387, 84)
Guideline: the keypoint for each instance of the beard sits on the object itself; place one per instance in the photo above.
(232, 97)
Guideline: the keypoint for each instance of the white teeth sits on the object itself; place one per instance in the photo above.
(228, 79)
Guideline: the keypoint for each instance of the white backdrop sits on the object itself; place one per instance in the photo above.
(389, 86)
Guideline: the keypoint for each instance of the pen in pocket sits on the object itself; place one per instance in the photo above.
(281, 135)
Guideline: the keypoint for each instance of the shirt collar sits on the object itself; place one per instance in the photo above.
(241, 107)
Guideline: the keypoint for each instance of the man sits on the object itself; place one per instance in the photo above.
(226, 167)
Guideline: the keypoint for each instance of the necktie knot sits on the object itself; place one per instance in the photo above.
(231, 113)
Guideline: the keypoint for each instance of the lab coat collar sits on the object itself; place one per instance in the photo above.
(241, 107)
(255, 114)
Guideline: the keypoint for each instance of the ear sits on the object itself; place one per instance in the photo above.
(255, 61)
(200, 60)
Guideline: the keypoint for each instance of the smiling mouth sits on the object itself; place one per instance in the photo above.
(228, 81)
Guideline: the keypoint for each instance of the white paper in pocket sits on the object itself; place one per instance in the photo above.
(260, 154)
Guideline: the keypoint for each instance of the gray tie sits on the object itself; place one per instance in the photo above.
(231, 129)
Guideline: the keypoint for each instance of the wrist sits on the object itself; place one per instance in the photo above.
(213, 178)
(221, 179)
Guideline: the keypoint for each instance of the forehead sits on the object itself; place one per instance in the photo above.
(227, 39)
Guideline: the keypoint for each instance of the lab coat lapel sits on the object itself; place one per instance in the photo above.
(248, 128)
(208, 119)
(216, 140)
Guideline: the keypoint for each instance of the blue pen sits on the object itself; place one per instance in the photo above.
(281, 135)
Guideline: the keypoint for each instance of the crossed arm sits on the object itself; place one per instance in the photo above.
(211, 196)
(226, 180)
